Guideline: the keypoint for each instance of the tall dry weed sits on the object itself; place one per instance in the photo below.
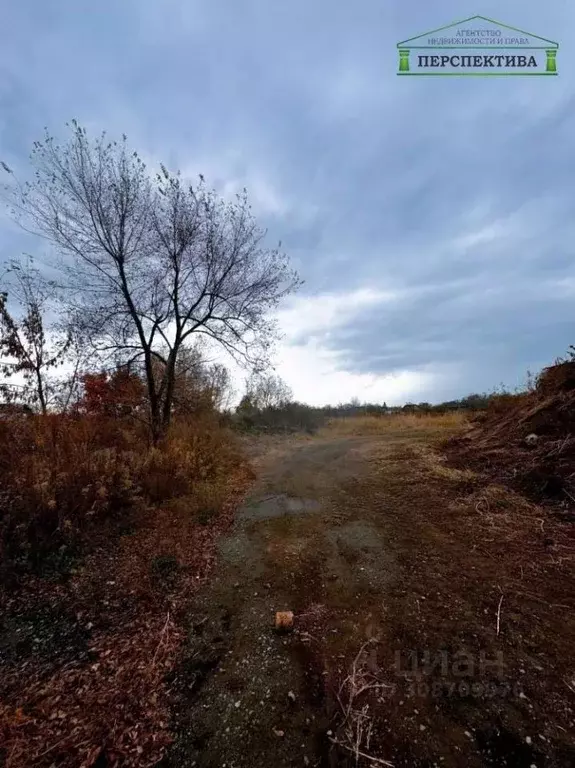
(60, 476)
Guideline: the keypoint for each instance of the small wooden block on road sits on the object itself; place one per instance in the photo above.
(284, 620)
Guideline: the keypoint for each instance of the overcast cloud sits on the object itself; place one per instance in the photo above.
(431, 218)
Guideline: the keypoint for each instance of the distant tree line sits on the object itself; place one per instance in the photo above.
(268, 405)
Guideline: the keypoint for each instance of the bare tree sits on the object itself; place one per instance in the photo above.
(28, 349)
(200, 383)
(150, 260)
(220, 386)
(67, 389)
(267, 391)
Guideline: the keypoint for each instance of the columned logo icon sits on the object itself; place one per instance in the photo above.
(477, 46)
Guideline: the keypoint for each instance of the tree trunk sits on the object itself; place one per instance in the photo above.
(156, 426)
(170, 378)
(41, 394)
(153, 400)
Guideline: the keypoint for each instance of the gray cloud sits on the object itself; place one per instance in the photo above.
(456, 193)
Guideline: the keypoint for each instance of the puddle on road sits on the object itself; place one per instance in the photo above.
(278, 506)
(358, 535)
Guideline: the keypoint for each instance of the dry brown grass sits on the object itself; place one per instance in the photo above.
(431, 461)
(394, 424)
(61, 476)
(354, 732)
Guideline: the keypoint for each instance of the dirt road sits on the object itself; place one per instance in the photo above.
(405, 582)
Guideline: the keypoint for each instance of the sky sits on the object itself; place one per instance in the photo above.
(430, 218)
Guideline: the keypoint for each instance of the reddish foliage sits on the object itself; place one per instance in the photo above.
(111, 395)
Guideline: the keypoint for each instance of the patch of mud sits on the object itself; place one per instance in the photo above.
(242, 701)
(500, 747)
(362, 547)
(278, 506)
(237, 550)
